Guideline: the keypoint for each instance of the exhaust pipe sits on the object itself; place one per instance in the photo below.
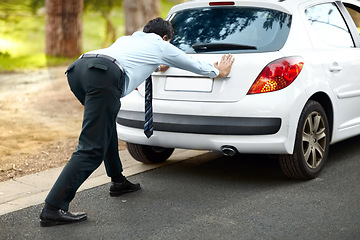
(228, 151)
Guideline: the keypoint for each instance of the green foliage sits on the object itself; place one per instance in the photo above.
(8, 8)
(4, 54)
(35, 5)
(101, 5)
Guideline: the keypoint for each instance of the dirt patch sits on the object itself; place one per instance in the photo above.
(40, 120)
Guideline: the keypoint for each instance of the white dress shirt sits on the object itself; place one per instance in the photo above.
(141, 53)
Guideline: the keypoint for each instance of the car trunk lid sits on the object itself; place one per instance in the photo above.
(178, 84)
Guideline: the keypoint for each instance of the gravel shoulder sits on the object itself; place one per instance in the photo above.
(40, 120)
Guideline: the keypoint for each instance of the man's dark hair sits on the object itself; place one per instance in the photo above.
(160, 27)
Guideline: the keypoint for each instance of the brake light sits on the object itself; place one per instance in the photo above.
(222, 3)
(277, 75)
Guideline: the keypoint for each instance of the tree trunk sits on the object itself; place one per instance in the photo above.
(138, 13)
(63, 28)
(110, 34)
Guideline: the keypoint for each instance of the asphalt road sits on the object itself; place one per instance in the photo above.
(214, 197)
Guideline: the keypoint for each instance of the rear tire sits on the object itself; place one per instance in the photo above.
(311, 144)
(149, 154)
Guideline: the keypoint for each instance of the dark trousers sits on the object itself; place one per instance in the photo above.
(98, 84)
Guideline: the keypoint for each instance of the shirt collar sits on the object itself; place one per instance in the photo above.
(142, 34)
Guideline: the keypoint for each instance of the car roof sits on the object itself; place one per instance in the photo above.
(288, 6)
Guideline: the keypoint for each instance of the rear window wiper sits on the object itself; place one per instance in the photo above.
(221, 46)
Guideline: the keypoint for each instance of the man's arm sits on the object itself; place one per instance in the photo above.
(174, 57)
(224, 66)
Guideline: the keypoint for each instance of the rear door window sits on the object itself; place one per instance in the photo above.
(329, 25)
(230, 29)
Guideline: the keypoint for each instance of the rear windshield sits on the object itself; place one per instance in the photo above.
(230, 29)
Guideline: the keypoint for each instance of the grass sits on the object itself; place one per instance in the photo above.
(22, 35)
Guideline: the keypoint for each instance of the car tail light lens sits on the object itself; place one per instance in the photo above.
(222, 3)
(277, 75)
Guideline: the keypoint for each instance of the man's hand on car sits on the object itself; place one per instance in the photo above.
(225, 65)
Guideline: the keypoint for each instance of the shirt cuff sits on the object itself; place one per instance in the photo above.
(214, 73)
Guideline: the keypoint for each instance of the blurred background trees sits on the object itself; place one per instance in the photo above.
(64, 22)
(41, 33)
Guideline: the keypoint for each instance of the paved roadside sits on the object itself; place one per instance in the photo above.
(212, 197)
(23, 192)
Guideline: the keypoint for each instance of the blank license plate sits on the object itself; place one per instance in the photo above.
(189, 84)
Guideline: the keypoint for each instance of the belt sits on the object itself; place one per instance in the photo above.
(89, 55)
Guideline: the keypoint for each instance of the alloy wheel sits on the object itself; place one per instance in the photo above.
(314, 140)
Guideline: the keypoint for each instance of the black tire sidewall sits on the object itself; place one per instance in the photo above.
(147, 154)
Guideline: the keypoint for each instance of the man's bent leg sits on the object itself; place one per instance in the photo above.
(101, 107)
(112, 161)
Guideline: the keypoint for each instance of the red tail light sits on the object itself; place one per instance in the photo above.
(222, 3)
(277, 75)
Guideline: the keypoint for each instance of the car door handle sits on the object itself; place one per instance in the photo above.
(335, 67)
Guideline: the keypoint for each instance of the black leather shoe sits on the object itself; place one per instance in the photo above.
(50, 218)
(117, 189)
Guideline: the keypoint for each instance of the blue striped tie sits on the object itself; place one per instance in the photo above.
(148, 126)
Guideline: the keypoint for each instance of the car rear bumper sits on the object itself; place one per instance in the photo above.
(246, 135)
(266, 144)
(260, 123)
(195, 124)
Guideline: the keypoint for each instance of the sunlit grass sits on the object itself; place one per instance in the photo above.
(31, 62)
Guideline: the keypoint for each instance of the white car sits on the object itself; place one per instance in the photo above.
(293, 90)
